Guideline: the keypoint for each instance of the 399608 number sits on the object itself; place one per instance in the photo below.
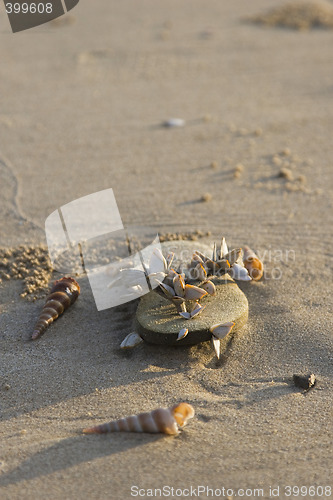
(25, 8)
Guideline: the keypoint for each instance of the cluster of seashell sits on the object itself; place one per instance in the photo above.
(222, 261)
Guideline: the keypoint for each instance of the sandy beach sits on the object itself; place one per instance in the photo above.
(82, 100)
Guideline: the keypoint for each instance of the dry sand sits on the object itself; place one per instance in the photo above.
(80, 108)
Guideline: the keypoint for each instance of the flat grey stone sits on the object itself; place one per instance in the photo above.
(158, 322)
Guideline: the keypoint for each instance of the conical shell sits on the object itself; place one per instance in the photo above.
(62, 295)
(253, 264)
(165, 420)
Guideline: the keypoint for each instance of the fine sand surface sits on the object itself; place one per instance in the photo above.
(81, 100)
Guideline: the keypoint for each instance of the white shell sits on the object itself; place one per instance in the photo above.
(193, 292)
(209, 287)
(239, 272)
(216, 344)
(221, 330)
(201, 273)
(179, 285)
(132, 340)
(185, 315)
(223, 249)
(157, 262)
(174, 122)
(182, 334)
(197, 309)
(169, 292)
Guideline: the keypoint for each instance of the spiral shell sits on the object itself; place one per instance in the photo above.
(165, 420)
(62, 295)
(253, 264)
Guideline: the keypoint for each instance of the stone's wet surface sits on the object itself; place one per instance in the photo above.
(158, 322)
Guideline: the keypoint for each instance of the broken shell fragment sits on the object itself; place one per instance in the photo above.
(253, 264)
(63, 294)
(132, 340)
(165, 420)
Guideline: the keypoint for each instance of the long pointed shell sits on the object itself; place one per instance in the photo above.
(223, 248)
(62, 295)
(216, 344)
(166, 420)
(132, 340)
(253, 264)
(193, 292)
(221, 330)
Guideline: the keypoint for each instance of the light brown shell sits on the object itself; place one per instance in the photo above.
(62, 295)
(253, 264)
(165, 420)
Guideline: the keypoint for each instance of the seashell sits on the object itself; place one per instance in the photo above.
(179, 302)
(165, 420)
(209, 287)
(62, 295)
(214, 256)
(201, 255)
(169, 259)
(217, 346)
(174, 122)
(132, 340)
(221, 330)
(179, 285)
(239, 272)
(168, 290)
(233, 256)
(182, 334)
(253, 264)
(157, 262)
(197, 309)
(200, 272)
(223, 248)
(193, 292)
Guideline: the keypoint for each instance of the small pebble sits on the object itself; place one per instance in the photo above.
(174, 122)
(6, 387)
(258, 131)
(214, 165)
(286, 152)
(306, 382)
(206, 197)
(286, 173)
(239, 168)
(277, 161)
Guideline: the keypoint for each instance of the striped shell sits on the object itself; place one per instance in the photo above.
(62, 295)
(165, 420)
